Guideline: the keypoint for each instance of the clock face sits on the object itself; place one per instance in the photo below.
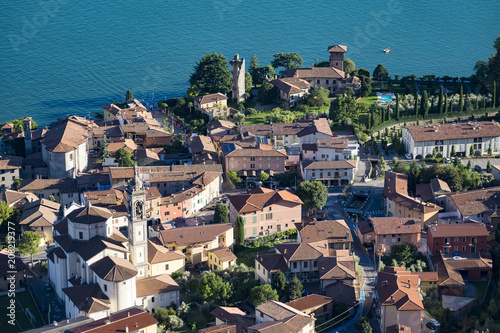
(138, 209)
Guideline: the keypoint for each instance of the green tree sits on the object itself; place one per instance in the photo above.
(221, 214)
(52, 198)
(239, 230)
(211, 74)
(193, 92)
(380, 73)
(30, 244)
(129, 96)
(468, 166)
(16, 185)
(279, 284)
(318, 97)
(416, 104)
(262, 73)
(453, 153)
(287, 60)
(397, 107)
(363, 325)
(267, 93)
(434, 152)
(488, 166)
(263, 177)
(124, 158)
(366, 86)
(490, 151)
(6, 212)
(248, 83)
(461, 99)
(103, 149)
(254, 65)
(294, 288)
(239, 118)
(233, 177)
(440, 101)
(211, 287)
(471, 151)
(467, 103)
(349, 66)
(403, 252)
(425, 104)
(313, 194)
(494, 97)
(262, 294)
(445, 106)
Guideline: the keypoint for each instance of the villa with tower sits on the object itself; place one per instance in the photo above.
(96, 270)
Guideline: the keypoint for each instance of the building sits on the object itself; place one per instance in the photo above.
(63, 190)
(335, 149)
(65, 147)
(222, 328)
(459, 238)
(225, 315)
(250, 162)
(39, 216)
(238, 78)
(9, 171)
(399, 203)
(6, 269)
(222, 258)
(213, 105)
(383, 232)
(319, 306)
(435, 191)
(203, 150)
(454, 271)
(399, 299)
(218, 128)
(476, 205)
(162, 260)
(421, 141)
(275, 316)
(291, 89)
(336, 232)
(330, 173)
(195, 242)
(265, 211)
(114, 112)
(17, 199)
(428, 279)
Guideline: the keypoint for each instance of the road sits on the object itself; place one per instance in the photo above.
(159, 118)
(42, 255)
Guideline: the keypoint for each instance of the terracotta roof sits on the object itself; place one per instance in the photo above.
(256, 152)
(341, 291)
(67, 135)
(98, 244)
(278, 310)
(202, 143)
(315, 72)
(103, 198)
(337, 268)
(233, 316)
(337, 48)
(449, 268)
(114, 269)
(110, 131)
(332, 230)
(127, 144)
(458, 230)
(5, 264)
(398, 287)
(64, 185)
(310, 302)
(395, 225)
(315, 165)
(319, 125)
(89, 215)
(67, 243)
(134, 318)
(453, 131)
(12, 197)
(35, 160)
(156, 285)
(477, 201)
(301, 251)
(214, 124)
(439, 185)
(117, 236)
(211, 98)
(424, 192)
(309, 147)
(159, 253)
(224, 254)
(219, 329)
(291, 85)
(333, 143)
(143, 154)
(88, 298)
(272, 262)
(246, 203)
(41, 213)
(427, 276)
(193, 235)
(11, 163)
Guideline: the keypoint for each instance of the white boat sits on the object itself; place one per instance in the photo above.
(387, 50)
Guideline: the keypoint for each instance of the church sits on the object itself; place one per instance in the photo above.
(97, 271)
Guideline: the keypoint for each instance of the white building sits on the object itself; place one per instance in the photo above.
(331, 173)
(275, 316)
(213, 105)
(97, 271)
(421, 141)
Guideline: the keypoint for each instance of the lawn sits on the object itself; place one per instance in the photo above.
(372, 98)
(196, 317)
(261, 117)
(23, 301)
(246, 256)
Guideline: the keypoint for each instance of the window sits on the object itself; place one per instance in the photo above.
(294, 265)
(166, 267)
(463, 248)
(80, 235)
(317, 81)
(252, 158)
(254, 219)
(71, 157)
(269, 216)
(456, 248)
(105, 287)
(315, 264)
(456, 239)
(252, 166)
(305, 264)
(152, 299)
(464, 239)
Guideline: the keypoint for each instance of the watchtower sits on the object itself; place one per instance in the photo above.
(238, 78)
(337, 56)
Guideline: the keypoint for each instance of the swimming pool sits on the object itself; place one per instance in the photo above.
(384, 98)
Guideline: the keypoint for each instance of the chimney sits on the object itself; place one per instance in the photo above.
(392, 302)
(128, 314)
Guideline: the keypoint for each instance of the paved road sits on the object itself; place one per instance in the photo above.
(42, 255)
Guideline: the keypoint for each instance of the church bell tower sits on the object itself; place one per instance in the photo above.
(137, 225)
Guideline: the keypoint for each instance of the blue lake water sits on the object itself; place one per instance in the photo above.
(62, 57)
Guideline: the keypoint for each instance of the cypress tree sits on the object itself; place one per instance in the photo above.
(129, 96)
(440, 102)
(461, 101)
(369, 120)
(484, 102)
(494, 98)
(239, 231)
(467, 104)
(425, 104)
(388, 114)
(397, 107)
(416, 104)
(445, 103)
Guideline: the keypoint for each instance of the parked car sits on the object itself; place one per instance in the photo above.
(409, 156)
(334, 134)
(447, 160)
(200, 268)
(478, 168)
(435, 322)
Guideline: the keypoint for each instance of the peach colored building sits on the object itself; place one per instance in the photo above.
(266, 211)
(213, 105)
(384, 232)
(250, 162)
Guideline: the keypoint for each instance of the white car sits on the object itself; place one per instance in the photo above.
(408, 156)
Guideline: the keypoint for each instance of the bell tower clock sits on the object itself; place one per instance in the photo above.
(137, 225)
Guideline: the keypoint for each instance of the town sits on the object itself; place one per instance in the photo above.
(279, 198)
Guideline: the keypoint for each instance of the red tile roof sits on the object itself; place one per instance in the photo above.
(398, 287)
(458, 230)
(451, 131)
(312, 301)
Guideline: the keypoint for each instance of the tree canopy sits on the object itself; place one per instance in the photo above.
(264, 176)
(294, 288)
(363, 326)
(221, 214)
(403, 252)
(287, 60)
(343, 108)
(318, 97)
(233, 177)
(30, 244)
(267, 93)
(279, 284)
(212, 288)
(239, 230)
(349, 66)
(262, 294)
(6, 212)
(211, 74)
(380, 73)
(129, 96)
(124, 158)
(313, 194)
(103, 149)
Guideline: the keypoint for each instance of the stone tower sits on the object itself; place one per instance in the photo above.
(137, 225)
(27, 136)
(238, 78)
(337, 56)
